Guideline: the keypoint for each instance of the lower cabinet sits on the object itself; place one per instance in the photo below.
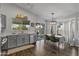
(27, 39)
(33, 38)
(0, 44)
(12, 41)
(3, 44)
(23, 39)
(20, 40)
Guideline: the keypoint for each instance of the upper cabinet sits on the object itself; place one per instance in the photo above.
(2, 23)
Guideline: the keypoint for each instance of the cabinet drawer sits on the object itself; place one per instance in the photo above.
(32, 40)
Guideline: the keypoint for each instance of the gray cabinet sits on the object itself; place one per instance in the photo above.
(35, 37)
(20, 40)
(27, 39)
(23, 39)
(12, 41)
(4, 43)
(32, 38)
(0, 44)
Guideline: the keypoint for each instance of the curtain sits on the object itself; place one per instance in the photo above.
(66, 31)
(71, 32)
(76, 32)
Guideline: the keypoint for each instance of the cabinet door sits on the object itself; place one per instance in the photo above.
(0, 44)
(20, 40)
(32, 40)
(4, 43)
(27, 39)
(12, 41)
(35, 37)
(23, 39)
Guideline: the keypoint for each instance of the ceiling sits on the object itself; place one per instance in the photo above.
(44, 10)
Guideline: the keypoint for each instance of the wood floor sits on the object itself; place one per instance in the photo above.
(43, 49)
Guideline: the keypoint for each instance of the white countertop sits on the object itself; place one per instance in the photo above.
(2, 35)
(58, 36)
(55, 35)
(7, 34)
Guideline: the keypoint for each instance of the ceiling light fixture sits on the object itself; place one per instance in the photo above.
(53, 22)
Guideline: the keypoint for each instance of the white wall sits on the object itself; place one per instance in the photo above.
(11, 10)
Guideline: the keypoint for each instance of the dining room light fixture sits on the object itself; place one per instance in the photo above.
(53, 21)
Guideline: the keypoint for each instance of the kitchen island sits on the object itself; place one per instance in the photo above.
(16, 40)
